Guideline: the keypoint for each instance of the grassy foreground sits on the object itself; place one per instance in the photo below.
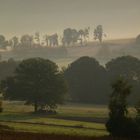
(36, 136)
(72, 120)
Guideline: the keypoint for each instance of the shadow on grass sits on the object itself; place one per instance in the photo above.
(18, 116)
(83, 119)
(28, 116)
(11, 135)
(24, 117)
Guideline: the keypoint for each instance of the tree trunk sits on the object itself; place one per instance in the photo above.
(35, 107)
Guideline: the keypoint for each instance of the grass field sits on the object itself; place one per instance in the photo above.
(72, 122)
(71, 119)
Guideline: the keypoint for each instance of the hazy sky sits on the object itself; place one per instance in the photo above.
(120, 18)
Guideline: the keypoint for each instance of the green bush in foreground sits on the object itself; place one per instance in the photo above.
(119, 124)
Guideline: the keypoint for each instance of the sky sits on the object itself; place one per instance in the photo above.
(120, 18)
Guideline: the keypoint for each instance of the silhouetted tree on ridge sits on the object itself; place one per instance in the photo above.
(98, 33)
(3, 42)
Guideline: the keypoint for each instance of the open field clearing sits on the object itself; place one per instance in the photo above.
(37, 128)
(71, 119)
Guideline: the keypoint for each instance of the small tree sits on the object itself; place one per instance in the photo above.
(26, 41)
(37, 37)
(117, 122)
(3, 42)
(38, 82)
(14, 42)
(98, 33)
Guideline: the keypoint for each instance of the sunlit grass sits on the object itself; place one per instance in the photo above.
(56, 130)
(71, 119)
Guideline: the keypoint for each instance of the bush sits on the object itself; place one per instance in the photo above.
(126, 127)
(119, 124)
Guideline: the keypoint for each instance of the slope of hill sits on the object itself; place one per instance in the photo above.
(64, 55)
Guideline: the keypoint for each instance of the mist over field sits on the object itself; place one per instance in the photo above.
(63, 56)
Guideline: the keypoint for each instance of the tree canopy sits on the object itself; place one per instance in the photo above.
(127, 67)
(38, 82)
(7, 68)
(3, 42)
(87, 80)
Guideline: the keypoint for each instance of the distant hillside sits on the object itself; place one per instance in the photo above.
(64, 55)
(108, 50)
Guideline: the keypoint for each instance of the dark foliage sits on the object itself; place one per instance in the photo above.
(127, 67)
(119, 124)
(7, 68)
(36, 81)
(87, 81)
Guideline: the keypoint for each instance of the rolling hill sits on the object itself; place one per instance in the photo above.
(64, 55)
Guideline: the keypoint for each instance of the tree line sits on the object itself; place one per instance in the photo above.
(70, 37)
(88, 81)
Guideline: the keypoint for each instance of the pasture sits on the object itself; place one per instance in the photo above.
(71, 119)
